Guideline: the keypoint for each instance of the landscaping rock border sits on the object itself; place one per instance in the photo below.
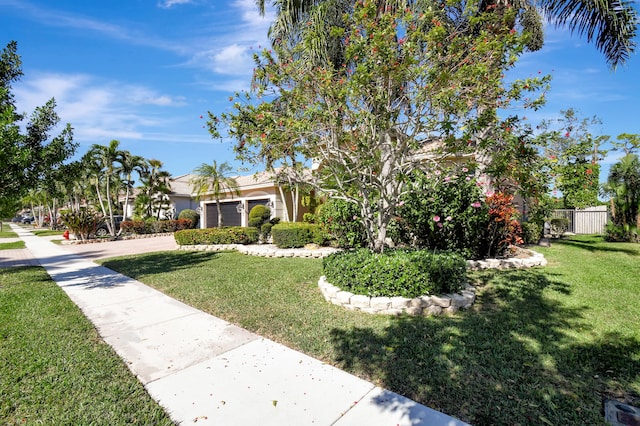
(263, 250)
(423, 305)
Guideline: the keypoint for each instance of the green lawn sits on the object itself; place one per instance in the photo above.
(540, 346)
(12, 245)
(7, 232)
(55, 369)
(47, 232)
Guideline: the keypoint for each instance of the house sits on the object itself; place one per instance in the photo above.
(259, 188)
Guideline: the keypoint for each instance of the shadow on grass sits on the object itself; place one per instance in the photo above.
(597, 244)
(158, 262)
(513, 359)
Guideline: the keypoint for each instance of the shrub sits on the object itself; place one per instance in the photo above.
(531, 232)
(81, 223)
(154, 226)
(227, 235)
(265, 229)
(295, 234)
(190, 214)
(504, 230)
(309, 218)
(621, 233)
(402, 272)
(444, 211)
(340, 221)
(258, 215)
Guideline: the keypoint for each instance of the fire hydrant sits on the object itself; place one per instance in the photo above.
(66, 234)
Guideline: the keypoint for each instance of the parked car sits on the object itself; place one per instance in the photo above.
(27, 220)
(17, 219)
(103, 230)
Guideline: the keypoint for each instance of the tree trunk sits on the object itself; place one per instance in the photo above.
(219, 213)
(284, 204)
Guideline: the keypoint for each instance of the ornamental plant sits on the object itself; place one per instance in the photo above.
(445, 211)
(411, 86)
(504, 230)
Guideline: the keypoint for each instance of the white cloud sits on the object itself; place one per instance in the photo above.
(167, 4)
(98, 110)
(233, 59)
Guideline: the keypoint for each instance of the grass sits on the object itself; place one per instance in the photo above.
(46, 232)
(55, 369)
(12, 245)
(7, 232)
(540, 346)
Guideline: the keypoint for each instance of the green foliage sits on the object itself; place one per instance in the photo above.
(152, 226)
(258, 215)
(209, 236)
(406, 273)
(190, 214)
(265, 229)
(622, 233)
(309, 218)
(294, 234)
(531, 232)
(29, 158)
(444, 211)
(340, 222)
(403, 76)
(82, 223)
(572, 154)
(623, 184)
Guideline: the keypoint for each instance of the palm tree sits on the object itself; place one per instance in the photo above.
(214, 179)
(623, 184)
(129, 164)
(102, 161)
(155, 187)
(610, 24)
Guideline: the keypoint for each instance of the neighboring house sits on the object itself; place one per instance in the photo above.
(181, 197)
(259, 188)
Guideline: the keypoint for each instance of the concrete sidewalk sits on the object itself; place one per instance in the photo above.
(205, 370)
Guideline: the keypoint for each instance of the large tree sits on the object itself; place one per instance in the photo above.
(610, 24)
(214, 180)
(414, 88)
(30, 156)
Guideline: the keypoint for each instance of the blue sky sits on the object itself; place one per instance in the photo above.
(144, 71)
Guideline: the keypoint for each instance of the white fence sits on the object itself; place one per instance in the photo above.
(591, 220)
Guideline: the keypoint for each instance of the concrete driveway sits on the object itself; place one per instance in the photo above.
(107, 249)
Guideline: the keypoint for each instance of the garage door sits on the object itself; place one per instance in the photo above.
(230, 215)
(253, 203)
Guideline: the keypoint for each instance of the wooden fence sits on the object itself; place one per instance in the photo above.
(592, 220)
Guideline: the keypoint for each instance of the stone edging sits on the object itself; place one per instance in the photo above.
(533, 259)
(424, 305)
(262, 250)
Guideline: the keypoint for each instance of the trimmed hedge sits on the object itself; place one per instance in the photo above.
(209, 236)
(401, 272)
(295, 234)
(154, 226)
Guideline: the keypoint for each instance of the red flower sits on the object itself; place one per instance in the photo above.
(589, 171)
(566, 135)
